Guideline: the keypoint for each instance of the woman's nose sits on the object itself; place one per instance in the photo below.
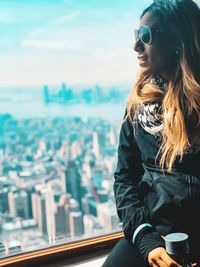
(138, 45)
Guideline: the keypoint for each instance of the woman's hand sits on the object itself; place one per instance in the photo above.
(159, 257)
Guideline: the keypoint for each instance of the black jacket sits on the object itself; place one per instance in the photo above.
(143, 194)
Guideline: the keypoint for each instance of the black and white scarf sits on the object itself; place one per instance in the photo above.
(147, 115)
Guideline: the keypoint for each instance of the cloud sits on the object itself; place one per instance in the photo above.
(58, 21)
(34, 33)
(50, 44)
(69, 17)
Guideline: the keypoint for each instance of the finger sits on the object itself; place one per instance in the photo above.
(158, 263)
(169, 261)
(162, 263)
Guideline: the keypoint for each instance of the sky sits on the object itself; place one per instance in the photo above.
(71, 41)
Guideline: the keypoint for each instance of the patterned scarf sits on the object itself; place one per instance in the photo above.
(147, 115)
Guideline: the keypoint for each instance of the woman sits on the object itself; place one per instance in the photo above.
(157, 179)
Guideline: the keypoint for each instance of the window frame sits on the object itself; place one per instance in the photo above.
(64, 251)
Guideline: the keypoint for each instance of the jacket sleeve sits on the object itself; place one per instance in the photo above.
(129, 203)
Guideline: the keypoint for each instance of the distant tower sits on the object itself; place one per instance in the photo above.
(4, 200)
(96, 145)
(46, 94)
(76, 224)
(99, 94)
(107, 216)
(39, 210)
(63, 92)
(52, 192)
(61, 218)
(57, 211)
(73, 181)
(66, 93)
(18, 200)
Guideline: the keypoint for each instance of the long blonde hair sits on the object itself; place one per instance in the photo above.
(180, 102)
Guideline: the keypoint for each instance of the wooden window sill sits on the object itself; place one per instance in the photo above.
(61, 252)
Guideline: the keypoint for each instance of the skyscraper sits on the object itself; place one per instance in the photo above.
(76, 224)
(73, 181)
(18, 200)
(39, 210)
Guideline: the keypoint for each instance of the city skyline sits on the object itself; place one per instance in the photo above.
(68, 41)
(55, 184)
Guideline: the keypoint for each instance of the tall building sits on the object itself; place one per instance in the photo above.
(4, 200)
(57, 210)
(34, 202)
(107, 216)
(76, 224)
(89, 205)
(18, 200)
(61, 217)
(29, 191)
(76, 149)
(88, 223)
(53, 191)
(73, 181)
(39, 210)
(95, 143)
(42, 223)
(102, 138)
(46, 94)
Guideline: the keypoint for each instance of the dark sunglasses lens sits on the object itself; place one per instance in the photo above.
(145, 35)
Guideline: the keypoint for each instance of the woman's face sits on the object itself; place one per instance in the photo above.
(157, 57)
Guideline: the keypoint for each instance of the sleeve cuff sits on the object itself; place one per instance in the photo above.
(138, 229)
(147, 241)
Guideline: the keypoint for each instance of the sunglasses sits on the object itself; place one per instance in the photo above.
(145, 34)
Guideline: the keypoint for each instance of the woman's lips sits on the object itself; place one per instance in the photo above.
(142, 59)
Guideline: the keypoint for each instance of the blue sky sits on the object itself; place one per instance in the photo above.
(75, 41)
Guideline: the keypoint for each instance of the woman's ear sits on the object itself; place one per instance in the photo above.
(172, 45)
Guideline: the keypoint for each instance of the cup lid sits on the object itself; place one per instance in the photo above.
(177, 243)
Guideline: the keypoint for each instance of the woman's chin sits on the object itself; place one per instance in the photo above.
(143, 63)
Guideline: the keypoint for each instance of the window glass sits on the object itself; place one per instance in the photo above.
(66, 70)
